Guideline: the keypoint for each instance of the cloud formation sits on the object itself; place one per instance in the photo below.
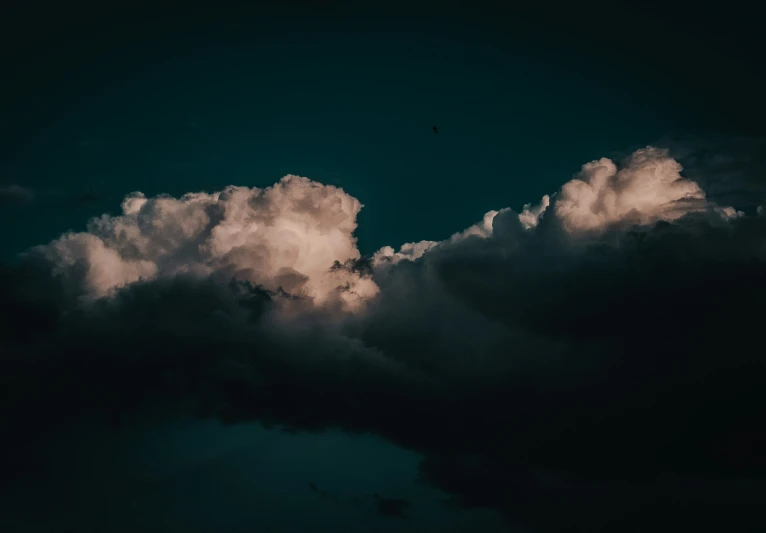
(589, 363)
(283, 237)
(649, 187)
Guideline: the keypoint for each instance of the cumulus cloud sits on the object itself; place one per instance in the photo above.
(409, 251)
(649, 187)
(590, 362)
(289, 235)
(530, 215)
(283, 237)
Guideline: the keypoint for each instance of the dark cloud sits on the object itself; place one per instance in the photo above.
(573, 384)
(391, 506)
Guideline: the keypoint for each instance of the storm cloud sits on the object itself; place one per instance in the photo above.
(592, 362)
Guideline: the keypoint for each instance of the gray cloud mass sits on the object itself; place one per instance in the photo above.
(591, 363)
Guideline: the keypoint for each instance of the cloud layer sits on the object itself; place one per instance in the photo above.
(591, 363)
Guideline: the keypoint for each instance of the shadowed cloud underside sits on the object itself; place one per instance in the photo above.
(589, 362)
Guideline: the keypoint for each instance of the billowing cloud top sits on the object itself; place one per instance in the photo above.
(648, 188)
(286, 236)
(588, 363)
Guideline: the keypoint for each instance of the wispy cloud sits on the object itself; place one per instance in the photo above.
(16, 194)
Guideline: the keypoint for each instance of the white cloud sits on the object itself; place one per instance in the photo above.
(530, 215)
(287, 235)
(649, 187)
(409, 251)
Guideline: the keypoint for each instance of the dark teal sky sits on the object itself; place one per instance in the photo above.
(194, 476)
(215, 99)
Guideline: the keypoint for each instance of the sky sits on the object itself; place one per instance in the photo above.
(245, 285)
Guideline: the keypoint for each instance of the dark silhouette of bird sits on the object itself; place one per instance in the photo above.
(316, 489)
(323, 493)
(436, 130)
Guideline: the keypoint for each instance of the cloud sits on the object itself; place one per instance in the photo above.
(649, 187)
(15, 194)
(391, 506)
(285, 236)
(409, 251)
(531, 215)
(592, 362)
(732, 171)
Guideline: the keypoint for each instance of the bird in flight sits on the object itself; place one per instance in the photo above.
(436, 130)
